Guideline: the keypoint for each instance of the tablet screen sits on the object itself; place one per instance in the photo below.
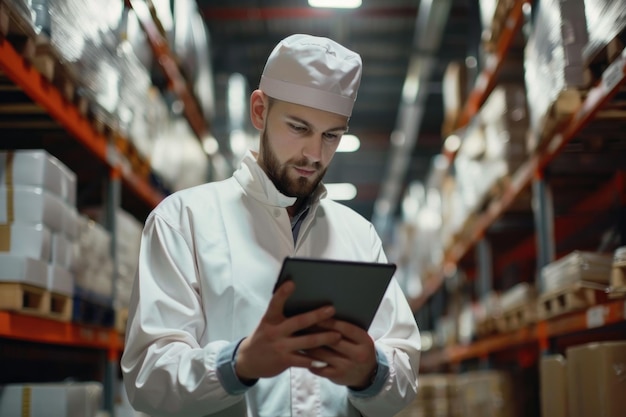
(355, 289)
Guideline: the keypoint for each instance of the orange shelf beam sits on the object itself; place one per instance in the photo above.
(42, 330)
(488, 77)
(24, 75)
(164, 57)
(597, 98)
(609, 313)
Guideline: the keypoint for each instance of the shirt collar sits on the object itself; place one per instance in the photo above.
(257, 184)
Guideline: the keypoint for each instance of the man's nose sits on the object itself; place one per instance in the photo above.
(313, 149)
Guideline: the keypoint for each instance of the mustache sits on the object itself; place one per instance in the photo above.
(304, 163)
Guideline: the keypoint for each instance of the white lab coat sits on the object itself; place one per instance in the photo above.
(209, 259)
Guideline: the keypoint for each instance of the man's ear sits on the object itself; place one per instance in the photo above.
(258, 109)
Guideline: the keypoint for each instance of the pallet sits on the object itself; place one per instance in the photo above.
(618, 280)
(575, 297)
(91, 312)
(516, 318)
(17, 30)
(29, 299)
(23, 298)
(486, 327)
(121, 318)
(558, 115)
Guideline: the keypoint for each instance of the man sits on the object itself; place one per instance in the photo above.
(206, 334)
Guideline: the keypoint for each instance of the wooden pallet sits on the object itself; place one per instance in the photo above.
(578, 296)
(486, 327)
(23, 298)
(618, 280)
(18, 31)
(121, 318)
(29, 299)
(60, 306)
(516, 318)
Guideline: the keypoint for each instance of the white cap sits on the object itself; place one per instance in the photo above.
(313, 71)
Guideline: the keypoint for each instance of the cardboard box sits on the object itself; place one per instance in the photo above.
(553, 385)
(31, 241)
(23, 270)
(51, 399)
(596, 379)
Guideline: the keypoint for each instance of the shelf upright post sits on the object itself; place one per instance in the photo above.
(112, 204)
(484, 281)
(484, 260)
(543, 211)
(622, 209)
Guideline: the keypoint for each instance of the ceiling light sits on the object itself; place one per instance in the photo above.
(452, 143)
(336, 4)
(341, 191)
(210, 145)
(349, 143)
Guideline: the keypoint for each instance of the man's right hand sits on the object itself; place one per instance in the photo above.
(272, 347)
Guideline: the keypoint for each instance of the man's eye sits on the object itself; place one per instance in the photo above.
(297, 128)
(332, 136)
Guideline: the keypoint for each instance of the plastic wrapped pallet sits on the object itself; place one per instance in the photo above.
(576, 267)
(94, 266)
(553, 57)
(606, 19)
(32, 241)
(595, 379)
(60, 399)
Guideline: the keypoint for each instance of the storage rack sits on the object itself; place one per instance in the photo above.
(97, 149)
(604, 321)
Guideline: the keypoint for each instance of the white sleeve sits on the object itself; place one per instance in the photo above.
(166, 371)
(395, 333)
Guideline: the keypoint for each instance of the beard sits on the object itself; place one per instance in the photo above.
(300, 187)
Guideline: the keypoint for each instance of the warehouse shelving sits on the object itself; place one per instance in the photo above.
(106, 177)
(537, 335)
(164, 57)
(44, 330)
(597, 98)
(27, 78)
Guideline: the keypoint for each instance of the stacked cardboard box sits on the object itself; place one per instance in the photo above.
(588, 381)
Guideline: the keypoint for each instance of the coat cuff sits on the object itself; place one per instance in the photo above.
(226, 359)
(382, 372)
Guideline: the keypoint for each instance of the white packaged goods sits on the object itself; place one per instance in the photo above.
(23, 270)
(553, 59)
(32, 241)
(36, 168)
(60, 280)
(606, 19)
(68, 191)
(31, 205)
(94, 263)
(575, 267)
(78, 399)
(63, 252)
(518, 295)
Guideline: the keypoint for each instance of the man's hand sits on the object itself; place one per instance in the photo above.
(351, 361)
(272, 347)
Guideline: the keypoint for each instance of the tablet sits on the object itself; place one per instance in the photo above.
(355, 289)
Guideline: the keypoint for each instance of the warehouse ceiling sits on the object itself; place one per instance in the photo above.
(391, 36)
